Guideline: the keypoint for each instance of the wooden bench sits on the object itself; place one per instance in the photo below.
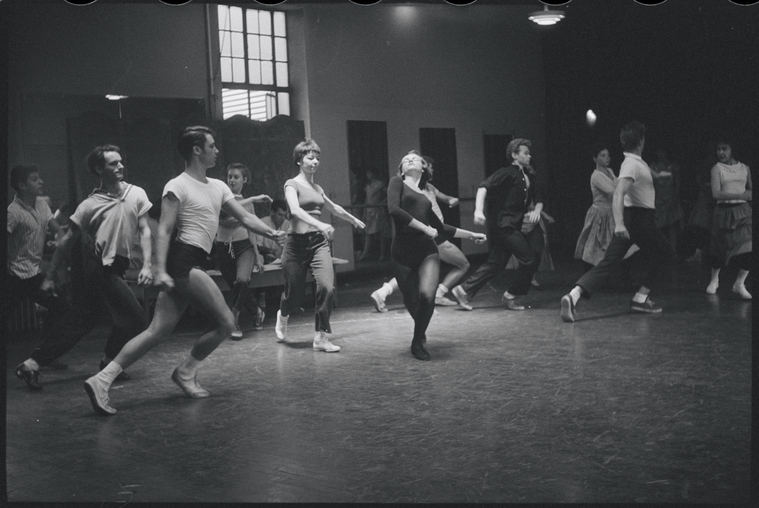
(270, 276)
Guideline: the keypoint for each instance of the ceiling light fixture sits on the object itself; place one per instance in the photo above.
(546, 16)
(116, 97)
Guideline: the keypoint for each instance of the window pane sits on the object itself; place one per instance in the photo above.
(264, 19)
(280, 45)
(283, 101)
(258, 106)
(234, 102)
(235, 15)
(266, 53)
(279, 24)
(238, 70)
(254, 69)
(238, 45)
(252, 19)
(223, 12)
(254, 50)
(267, 73)
(226, 69)
(225, 45)
(282, 77)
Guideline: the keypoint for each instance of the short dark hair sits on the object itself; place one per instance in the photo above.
(278, 204)
(189, 137)
(242, 168)
(96, 158)
(632, 135)
(597, 148)
(303, 148)
(20, 174)
(514, 144)
(428, 159)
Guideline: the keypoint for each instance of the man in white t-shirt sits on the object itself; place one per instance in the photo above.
(634, 216)
(98, 246)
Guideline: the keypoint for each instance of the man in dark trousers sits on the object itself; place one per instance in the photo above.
(634, 218)
(509, 192)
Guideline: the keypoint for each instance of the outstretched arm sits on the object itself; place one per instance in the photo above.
(339, 211)
(250, 221)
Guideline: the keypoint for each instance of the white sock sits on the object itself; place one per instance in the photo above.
(640, 298)
(441, 291)
(319, 336)
(32, 364)
(188, 367)
(109, 373)
(508, 295)
(575, 294)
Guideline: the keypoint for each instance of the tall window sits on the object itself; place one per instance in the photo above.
(254, 75)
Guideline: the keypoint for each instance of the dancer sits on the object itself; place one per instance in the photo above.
(191, 202)
(448, 251)
(375, 216)
(416, 261)
(634, 222)
(308, 246)
(237, 250)
(28, 220)
(509, 192)
(98, 246)
(598, 229)
(731, 226)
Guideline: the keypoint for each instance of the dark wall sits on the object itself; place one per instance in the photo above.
(687, 69)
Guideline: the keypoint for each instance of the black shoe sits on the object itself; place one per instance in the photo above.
(123, 376)
(30, 376)
(417, 349)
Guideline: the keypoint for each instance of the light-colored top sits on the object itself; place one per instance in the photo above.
(310, 199)
(199, 208)
(27, 228)
(112, 220)
(430, 193)
(602, 184)
(641, 191)
(230, 229)
(733, 178)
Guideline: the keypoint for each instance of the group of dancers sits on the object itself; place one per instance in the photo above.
(197, 211)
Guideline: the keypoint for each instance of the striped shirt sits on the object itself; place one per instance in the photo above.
(27, 229)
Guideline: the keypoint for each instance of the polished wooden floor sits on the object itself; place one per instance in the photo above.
(514, 407)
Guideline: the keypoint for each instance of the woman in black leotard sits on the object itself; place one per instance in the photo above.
(416, 262)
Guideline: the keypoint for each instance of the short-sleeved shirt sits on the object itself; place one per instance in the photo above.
(509, 195)
(310, 199)
(641, 192)
(27, 229)
(112, 220)
(199, 208)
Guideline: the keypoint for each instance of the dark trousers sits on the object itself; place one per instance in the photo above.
(655, 256)
(504, 242)
(308, 251)
(65, 325)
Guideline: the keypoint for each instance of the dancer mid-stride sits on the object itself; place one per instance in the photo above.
(416, 262)
(191, 204)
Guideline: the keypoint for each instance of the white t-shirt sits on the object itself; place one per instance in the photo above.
(199, 207)
(641, 191)
(112, 220)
